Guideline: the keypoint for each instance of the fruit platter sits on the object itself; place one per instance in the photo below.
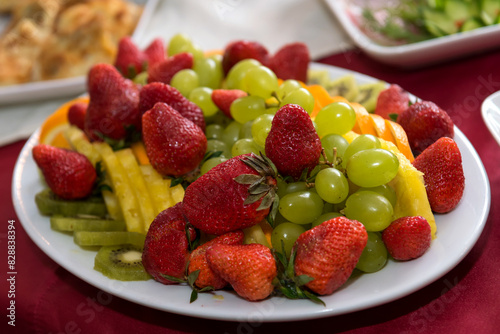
(146, 218)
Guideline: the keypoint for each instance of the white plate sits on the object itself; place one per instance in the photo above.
(458, 231)
(421, 53)
(490, 110)
(41, 90)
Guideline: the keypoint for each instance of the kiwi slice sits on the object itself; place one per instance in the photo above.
(121, 262)
(345, 86)
(108, 238)
(368, 94)
(70, 224)
(49, 204)
(318, 77)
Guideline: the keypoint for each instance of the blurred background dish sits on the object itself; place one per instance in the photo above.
(490, 110)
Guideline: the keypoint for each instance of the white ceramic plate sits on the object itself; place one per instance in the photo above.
(41, 90)
(422, 53)
(490, 110)
(458, 231)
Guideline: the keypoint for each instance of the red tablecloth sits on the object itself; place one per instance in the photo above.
(49, 299)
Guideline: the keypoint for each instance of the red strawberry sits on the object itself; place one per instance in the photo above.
(329, 253)
(223, 98)
(233, 195)
(160, 92)
(114, 104)
(166, 69)
(76, 114)
(444, 177)
(293, 144)
(130, 60)
(291, 62)
(242, 49)
(250, 269)
(392, 100)
(155, 52)
(407, 237)
(166, 249)
(207, 277)
(424, 123)
(69, 174)
(174, 144)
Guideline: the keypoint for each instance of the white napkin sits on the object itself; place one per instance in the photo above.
(211, 24)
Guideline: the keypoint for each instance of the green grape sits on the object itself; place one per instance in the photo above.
(238, 71)
(282, 186)
(301, 207)
(202, 97)
(331, 185)
(287, 87)
(286, 233)
(231, 133)
(210, 163)
(386, 191)
(331, 141)
(209, 72)
(298, 186)
(260, 128)
(247, 108)
(259, 81)
(374, 256)
(214, 131)
(300, 96)
(185, 81)
(214, 145)
(179, 43)
(370, 208)
(372, 168)
(362, 142)
(246, 130)
(141, 78)
(336, 117)
(271, 110)
(324, 217)
(244, 146)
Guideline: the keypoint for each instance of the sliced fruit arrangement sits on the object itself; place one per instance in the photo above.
(245, 169)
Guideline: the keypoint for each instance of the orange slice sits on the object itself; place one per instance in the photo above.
(140, 153)
(52, 130)
(366, 125)
(382, 130)
(360, 111)
(400, 138)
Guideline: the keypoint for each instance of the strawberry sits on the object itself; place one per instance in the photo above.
(233, 195)
(113, 109)
(69, 174)
(250, 269)
(291, 62)
(424, 123)
(207, 277)
(166, 249)
(159, 92)
(130, 60)
(155, 52)
(329, 252)
(392, 101)
(242, 49)
(407, 237)
(174, 144)
(444, 177)
(76, 114)
(293, 144)
(166, 69)
(223, 98)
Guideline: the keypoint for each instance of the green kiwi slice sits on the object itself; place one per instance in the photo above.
(49, 204)
(344, 86)
(318, 77)
(121, 262)
(70, 224)
(368, 94)
(108, 238)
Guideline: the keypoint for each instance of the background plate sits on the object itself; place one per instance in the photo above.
(34, 91)
(490, 110)
(422, 53)
(457, 232)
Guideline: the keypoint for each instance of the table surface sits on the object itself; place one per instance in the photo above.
(49, 299)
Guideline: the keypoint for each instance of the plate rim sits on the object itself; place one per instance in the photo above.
(207, 313)
(487, 105)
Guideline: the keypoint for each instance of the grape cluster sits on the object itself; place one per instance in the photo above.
(352, 179)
